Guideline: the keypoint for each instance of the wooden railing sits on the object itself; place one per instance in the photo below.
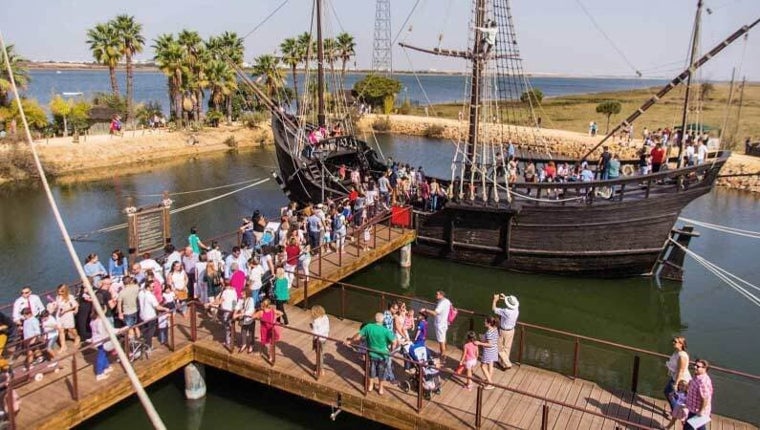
(523, 328)
(70, 357)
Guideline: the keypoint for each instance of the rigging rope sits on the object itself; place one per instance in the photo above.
(723, 274)
(724, 229)
(150, 410)
(609, 40)
(180, 193)
(271, 14)
(122, 226)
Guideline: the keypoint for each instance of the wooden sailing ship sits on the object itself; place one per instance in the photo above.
(601, 228)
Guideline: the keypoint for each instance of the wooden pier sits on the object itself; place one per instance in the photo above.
(385, 237)
(525, 397)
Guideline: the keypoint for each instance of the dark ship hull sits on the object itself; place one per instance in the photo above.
(601, 238)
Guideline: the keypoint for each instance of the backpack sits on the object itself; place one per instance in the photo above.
(453, 312)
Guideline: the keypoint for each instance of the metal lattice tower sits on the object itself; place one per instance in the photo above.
(381, 47)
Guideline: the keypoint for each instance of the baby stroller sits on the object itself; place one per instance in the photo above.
(431, 378)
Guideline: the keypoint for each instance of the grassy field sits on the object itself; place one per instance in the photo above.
(573, 113)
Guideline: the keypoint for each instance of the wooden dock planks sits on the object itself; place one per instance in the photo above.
(49, 404)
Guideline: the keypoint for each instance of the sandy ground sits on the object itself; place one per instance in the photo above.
(97, 156)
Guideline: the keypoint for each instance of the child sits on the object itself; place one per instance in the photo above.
(680, 412)
(32, 332)
(169, 298)
(469, 357)
(51, 329)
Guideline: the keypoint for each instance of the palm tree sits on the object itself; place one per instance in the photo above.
(132, 42)
(106, 49)
(170, 59)
(20, 74)
(292, 55)
(346, 46)
(267, 68)
(228, 48)
(330, 49)
(195, 54)
(222, 82)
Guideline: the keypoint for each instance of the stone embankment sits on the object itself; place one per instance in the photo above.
(561, 142)
(100, 156)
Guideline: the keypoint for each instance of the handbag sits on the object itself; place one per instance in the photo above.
(181, 294)
(247, 320)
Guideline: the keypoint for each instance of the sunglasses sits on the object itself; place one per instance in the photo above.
(699, 366)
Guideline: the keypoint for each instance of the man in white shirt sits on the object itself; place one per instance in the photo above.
(441, 315)
(149, 309)
(27, 300)
(235, 257)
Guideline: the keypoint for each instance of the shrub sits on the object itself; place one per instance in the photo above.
(253, 119)
(434, 131)
(535, 96)
(214, 117)
(382, 125)
(231, 142)
(405, 108)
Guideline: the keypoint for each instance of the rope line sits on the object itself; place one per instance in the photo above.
(180, 193)
(723, 274)
(724, 229)
(122, 226)
(150, 409)
(271, 14)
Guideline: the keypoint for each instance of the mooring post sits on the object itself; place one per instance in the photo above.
(195, 381)
(405, 259)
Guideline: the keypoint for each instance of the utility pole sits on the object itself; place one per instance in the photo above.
(382, 58)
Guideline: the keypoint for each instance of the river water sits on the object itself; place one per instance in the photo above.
(151, 85)
(717, 320)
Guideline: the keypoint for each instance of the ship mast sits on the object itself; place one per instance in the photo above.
(477, 76)
(320, 68)
(692, 59)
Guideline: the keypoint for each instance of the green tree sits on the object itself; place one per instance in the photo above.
(609, 108)
(375, 89)
(346, 47)
(62, 108)
(169, 57)
(292, 56)
(534, 96)
(20, 74)
(132, 42)
(267, 68)
(35, 114)
(106, 49)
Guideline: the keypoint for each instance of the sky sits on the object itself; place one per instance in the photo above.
(555, 36)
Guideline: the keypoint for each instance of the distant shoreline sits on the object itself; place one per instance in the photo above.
(142, 67)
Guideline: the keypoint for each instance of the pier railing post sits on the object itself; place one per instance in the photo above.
(232, 334)
(472, 323)
(576, 353)
(272, 351)
(366, 372)
(193, 323)
(171, 332)
(74, 379)
(420, 387)
(9, 402)
(373, 231)
(635, 375)
(522, 345)
(479, 407)
(545, 417)
(305, 293)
